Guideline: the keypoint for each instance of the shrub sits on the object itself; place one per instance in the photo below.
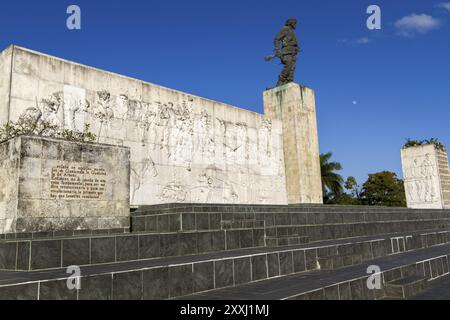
(416, 143)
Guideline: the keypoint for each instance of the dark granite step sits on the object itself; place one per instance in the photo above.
(286, 240)
(255, 209)
(41, 254)
(349, 283)
(56, 253)
(349, 230)
(178, 276)
(185, 217)
(406, 288)
(63, 234)
(338, 261)
(242, 224)
(437, 289)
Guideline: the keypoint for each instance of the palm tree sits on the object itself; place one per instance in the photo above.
(331, 181)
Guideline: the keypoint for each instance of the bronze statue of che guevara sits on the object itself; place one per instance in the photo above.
(286, 49)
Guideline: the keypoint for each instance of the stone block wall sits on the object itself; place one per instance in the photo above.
(52, 185)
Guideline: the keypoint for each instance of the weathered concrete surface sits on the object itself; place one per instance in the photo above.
(183, 148)
(5, 82)
(295, 106)
(427, 177)
(444, 175)
(9, 188)
(51, 185)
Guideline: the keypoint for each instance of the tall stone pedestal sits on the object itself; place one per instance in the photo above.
(295, 106)
(427, 177)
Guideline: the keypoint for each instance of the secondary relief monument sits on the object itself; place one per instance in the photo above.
(427, 177)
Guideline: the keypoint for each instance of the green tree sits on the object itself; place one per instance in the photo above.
(346, 199)
(384, 189)
(352, 198)
(415, 143)
(352, 185)
(331, 181)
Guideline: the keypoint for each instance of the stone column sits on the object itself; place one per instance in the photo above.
(444, 176)
(295, 106)
(427, 177)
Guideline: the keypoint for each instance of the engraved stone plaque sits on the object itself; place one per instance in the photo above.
(52, 185)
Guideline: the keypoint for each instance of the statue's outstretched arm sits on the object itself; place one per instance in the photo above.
(278, 39)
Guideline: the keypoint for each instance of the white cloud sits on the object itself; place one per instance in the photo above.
(359, 41)
(355, 102)
(364, 40)
(444, 5)
(417, 23)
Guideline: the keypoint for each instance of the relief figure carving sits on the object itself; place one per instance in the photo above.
(265, 143)
(173, 192)
(163, 124)
(52, 108)
(205, 137)
(215, 187)
(182, 144)
(420, 180)
(148, 125)
(180, 134)
(428, 170)
(103, 111)
(75, 107)
(139, 171)
(242, 142)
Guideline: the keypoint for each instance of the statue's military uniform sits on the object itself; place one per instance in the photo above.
(288, 51)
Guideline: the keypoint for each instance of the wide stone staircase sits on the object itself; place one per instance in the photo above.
(193, 251)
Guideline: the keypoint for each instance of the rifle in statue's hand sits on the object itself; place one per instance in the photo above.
(277, 54)
(273, 56)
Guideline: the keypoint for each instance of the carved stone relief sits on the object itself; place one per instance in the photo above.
(139, 173)
(170, 134)
(74, 106)
(421, 180)
(205, 143)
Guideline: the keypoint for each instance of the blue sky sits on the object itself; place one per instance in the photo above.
(373, 88)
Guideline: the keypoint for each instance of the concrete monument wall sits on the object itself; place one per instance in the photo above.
(51, 185)
(295, 106)
(5, 81)
(183, 148)
(427, 178)
(9, 187)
